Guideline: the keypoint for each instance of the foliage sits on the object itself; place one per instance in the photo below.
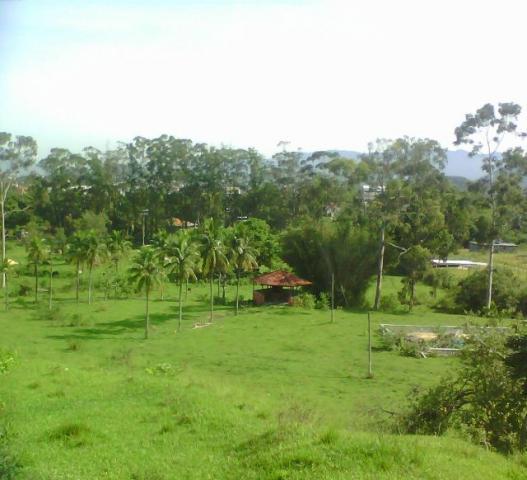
(7, 359)
(482, 399)
(304, 300)
(470, 294)
(323, 301)
(316, 249)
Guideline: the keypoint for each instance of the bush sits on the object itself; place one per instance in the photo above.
(389, 303)
(472, 292)
(7, 359)
(484, 399)
(323, 302)
(438, 278)
(24, 289)
(304, 300)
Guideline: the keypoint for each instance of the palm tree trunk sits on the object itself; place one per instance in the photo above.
(147, 316)
(237, 289)
(89, 284)
(50, 283)
(186, 288)
(219, 281)
(36, 282)
(77, 281)
(180, 304)
(211, 300)
(6, 295)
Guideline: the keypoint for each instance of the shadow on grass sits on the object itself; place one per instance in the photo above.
(115, 328)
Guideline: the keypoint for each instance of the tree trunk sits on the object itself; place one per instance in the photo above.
(332, 297)
(77, 281)
(36, 283)
(89, 284)
(223, 281)
(490, 274)
(211, 300)
(180, 305)
(50, 284)
(2, 206)
(147, 316)
(186, 288)
(412, 293)
(380, 266)
(237, 290)
(219, 282)
(6, 294)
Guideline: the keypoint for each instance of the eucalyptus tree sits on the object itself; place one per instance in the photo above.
(485, 132)
(17, 154)
(182, 262)
(243, 259)
(37, 252)
(144, 273)
(213, 255)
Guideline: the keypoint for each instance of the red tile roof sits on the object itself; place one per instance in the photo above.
(280, 278)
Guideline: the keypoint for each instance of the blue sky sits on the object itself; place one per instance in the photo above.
(320, 73)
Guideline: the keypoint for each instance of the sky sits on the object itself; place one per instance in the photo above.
(321, 74)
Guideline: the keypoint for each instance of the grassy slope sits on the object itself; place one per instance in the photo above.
(273, 393)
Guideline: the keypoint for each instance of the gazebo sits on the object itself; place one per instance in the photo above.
(279, 287)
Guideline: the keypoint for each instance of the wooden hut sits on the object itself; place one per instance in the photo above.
(278, 287)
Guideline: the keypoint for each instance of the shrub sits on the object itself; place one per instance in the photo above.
(323, 301)
(304, 300)
(24, 289)
(7, 359)
(389, 303)
(472, 292)
(484, 399)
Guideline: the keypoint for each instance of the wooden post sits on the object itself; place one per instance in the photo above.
(370, 373)
(332, 297)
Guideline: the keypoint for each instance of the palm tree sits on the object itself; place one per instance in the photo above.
(182, 262)
(243, 260)
(76, 254)
(96, 251)
(37, 253)
(213, 255)
(118, 247)
(145, 274)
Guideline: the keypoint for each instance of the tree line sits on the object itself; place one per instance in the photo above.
(337, 218)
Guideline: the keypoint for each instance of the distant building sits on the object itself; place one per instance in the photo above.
(369, 192)
(499, 246)
(461, 264)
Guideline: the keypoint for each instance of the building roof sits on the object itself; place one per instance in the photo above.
(281, 278)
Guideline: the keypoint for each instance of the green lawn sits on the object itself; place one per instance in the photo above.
(274, 393)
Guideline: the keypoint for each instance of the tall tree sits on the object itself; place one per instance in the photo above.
(182, 261)
(243, 259)
(37, 252)
(485, 131)
(96, 251)
(144, 272)
(76, 253)
(213, 255)
(17, 154)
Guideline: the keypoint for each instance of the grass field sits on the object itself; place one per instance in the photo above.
(274, 393)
